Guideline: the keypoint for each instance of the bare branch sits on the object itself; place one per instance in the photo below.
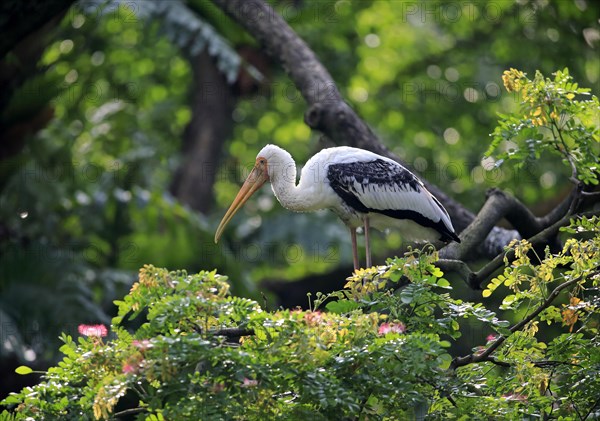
(130, 411)
(568, 206)
(494, 209)
(459, 267)
(501, 205)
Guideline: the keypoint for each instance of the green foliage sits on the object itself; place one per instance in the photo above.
(551, 375)
(178, 23)
(178, 363)
(550, 119)
(84, 204)
(23, 370)
(383, 350)
(419, 306)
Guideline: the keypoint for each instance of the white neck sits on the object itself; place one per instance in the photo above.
(294, 197)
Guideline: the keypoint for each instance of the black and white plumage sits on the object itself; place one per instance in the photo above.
(361, 187)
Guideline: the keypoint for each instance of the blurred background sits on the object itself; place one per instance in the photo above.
(127, 128)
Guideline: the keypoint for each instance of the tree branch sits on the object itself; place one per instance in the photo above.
(327, 111)
(130, 411)
(501, 205)
(541, 230)
(456, 266)
(486, 355)
(205, 135)
(232, 332)
(477, 278)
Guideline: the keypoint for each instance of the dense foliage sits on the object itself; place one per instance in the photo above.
(86, 198)
(381, 351)
(384, 347)
(550, 119)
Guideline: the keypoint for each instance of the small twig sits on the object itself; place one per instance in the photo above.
(130, 411)
(457, 266)
(545, 304)
(592, 408)
(485, 355)
(566, 154)
(590, 193)
(542, 237)
(575, 408)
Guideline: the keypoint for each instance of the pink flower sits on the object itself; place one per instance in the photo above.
(386, 328)
(133, 364)
(491, 337)
(478, 350)
(313, 318)
(143, 345)
(99, 331)
(249, 383)
(129, 368)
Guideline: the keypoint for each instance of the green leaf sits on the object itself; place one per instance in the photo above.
(23, 370)
(342, 306)
(446, 360)
(395, 276)
(437, 272)
(443, 283)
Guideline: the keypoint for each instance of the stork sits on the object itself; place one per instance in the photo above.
(361, 187)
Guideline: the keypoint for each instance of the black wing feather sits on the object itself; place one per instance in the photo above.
(344, 177)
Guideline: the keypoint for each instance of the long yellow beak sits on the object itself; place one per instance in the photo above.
(257, 177)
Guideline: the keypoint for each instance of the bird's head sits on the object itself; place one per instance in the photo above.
(277, 162)
(266, 160)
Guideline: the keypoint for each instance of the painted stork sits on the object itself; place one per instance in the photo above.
(361, 187)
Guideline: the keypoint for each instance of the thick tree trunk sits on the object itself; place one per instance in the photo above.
(205, 135)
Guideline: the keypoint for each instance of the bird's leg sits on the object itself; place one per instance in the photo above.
(367, 245)
(354, 247)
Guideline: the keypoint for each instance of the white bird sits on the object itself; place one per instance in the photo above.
(361, 187)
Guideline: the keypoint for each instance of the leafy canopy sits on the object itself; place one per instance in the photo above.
(381, 350)
(550, 119)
